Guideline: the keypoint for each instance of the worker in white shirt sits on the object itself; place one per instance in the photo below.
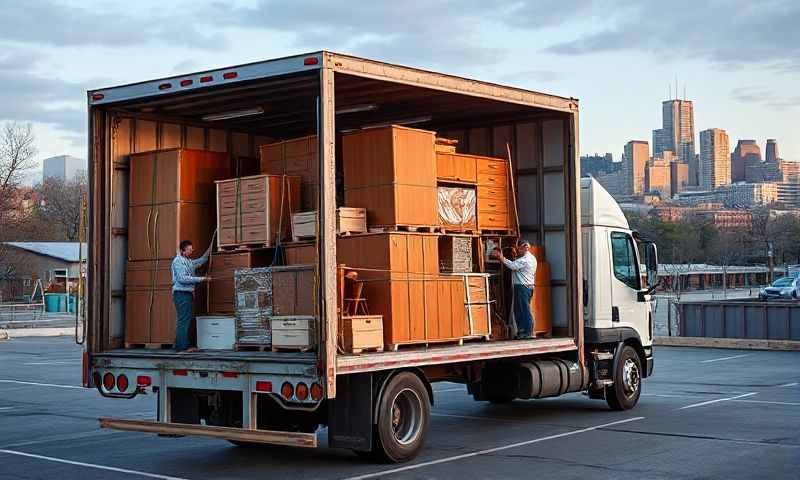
(524, 271)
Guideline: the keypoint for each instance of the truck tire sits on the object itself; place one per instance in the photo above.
(404, 412)
(624, 393)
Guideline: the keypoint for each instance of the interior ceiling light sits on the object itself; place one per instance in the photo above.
(356, 108)
(403, 121)
(234, 114)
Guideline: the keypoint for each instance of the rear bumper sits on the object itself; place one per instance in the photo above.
(292, 439)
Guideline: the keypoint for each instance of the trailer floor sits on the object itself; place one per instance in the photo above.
(706, 413)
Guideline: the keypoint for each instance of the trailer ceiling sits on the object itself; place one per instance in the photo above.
(289, 104)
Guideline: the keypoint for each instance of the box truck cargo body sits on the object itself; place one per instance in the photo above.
(374, 401)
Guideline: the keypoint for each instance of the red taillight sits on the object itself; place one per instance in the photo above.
(263, 386)
(96, 379)
(310, 61)
(205, 79)
(122, 383)
(229, 75)
(98, 96)
(186, 83)
(301, 391)
(143, 381)
(85, 368)
(287, 390)
(108, 381)
(230, 374)
(316, 392)
(180, 373)
(165, 86)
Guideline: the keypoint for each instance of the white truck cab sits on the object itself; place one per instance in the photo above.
(620, 273)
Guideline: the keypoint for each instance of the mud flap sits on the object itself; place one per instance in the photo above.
(350, 413)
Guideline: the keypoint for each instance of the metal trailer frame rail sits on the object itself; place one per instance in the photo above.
(769, 320)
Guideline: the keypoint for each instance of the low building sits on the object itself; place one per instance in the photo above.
(694, 198)
(726, 219)
(23, 263)
(614, 183)
(671, 213)
(64, 167)
(789, 194)
(745, 195)
(688, 277)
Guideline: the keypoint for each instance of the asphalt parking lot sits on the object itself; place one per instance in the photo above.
(705, 413)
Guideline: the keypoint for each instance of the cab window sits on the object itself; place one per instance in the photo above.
(624, 257)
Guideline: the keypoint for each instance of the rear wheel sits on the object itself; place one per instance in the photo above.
(627, 387)
(404, 415)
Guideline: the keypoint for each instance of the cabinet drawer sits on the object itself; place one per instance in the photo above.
(492, 179)
(226, 219)
(229, 262)
(227, 188)
(227, 204)
(227, 236)
(492, 220)
(492, 205)
(487, 165)
(253, 218)
(256, 202)
(499, 193)
(254, 234)
(254, 185)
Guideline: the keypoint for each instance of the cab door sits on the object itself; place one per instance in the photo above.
(629, 306)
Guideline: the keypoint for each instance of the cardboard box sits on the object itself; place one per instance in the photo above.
(298, 157)
(348, 220)
(362, 332)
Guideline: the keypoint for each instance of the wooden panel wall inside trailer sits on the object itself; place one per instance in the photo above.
(545, 169)
(113, 139)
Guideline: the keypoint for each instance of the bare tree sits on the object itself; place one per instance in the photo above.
(60, 206)
(17, 152)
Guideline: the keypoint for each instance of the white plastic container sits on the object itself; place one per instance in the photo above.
(216, 333)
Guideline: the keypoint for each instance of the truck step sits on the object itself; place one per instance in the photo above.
(602, 356)
(602, 383)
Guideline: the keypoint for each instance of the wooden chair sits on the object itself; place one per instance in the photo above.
(355, 303)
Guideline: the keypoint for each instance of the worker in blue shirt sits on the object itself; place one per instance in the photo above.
(183, 282)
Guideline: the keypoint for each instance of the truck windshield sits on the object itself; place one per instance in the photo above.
(624, 257)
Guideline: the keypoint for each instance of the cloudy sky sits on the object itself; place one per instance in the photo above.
(738, 60)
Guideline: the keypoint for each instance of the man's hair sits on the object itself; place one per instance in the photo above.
(184, 244)
(523, 242)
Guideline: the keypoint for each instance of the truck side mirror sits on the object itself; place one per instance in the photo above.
(651, 262)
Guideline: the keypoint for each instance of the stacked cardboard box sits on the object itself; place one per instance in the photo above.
(297, 157)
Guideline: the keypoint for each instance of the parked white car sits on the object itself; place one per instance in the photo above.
(784, 287)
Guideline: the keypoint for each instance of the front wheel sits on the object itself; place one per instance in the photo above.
(627, 387)
(403, 418)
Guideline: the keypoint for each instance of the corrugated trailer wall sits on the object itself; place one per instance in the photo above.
(133, 135)
(539, 151)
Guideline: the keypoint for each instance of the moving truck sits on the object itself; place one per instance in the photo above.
(375, 403)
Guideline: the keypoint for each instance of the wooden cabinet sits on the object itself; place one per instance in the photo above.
(256, 210)
(300, 253)
(362, 332)
(456, 167)
(298, 156)
(380, 254)
(222, 266)
(493, 194)
(391, 171)
(149, 310)
(170, 198)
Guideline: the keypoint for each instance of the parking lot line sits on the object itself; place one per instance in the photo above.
(91, 465)
(793, 404)
(20, 382)
(709, 402)
(726, 358)
(793, 384)
(491, 450)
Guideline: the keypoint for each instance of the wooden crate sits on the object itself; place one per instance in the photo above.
(256, 210)
(391, 171)
(362, 332)
(222, 266)
(455, 253)
(348, 220)
(477, 303)
(293, 290)
(298, 156)
(457, 208)
(293, 332)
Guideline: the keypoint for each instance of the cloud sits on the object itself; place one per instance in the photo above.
(527, 77)
(731, 33)
(52, 23)
(764, 96)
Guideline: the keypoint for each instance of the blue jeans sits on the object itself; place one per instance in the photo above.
(184, 304)
(522, 310)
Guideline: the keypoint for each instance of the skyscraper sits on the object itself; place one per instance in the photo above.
(677, 134)
(637, 153)
(746, 151)
(715, 169)
(771, 153)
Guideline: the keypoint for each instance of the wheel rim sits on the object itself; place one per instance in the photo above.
(406, 416)
(630, 377)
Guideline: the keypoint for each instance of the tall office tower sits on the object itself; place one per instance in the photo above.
(661, 142)
(678, 177)
(677, 133)
(715, 168)
(657, 177)
(637, 153)
(746, 151)
(771, 153)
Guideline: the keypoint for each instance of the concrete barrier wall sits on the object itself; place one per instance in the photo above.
(772, 320)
